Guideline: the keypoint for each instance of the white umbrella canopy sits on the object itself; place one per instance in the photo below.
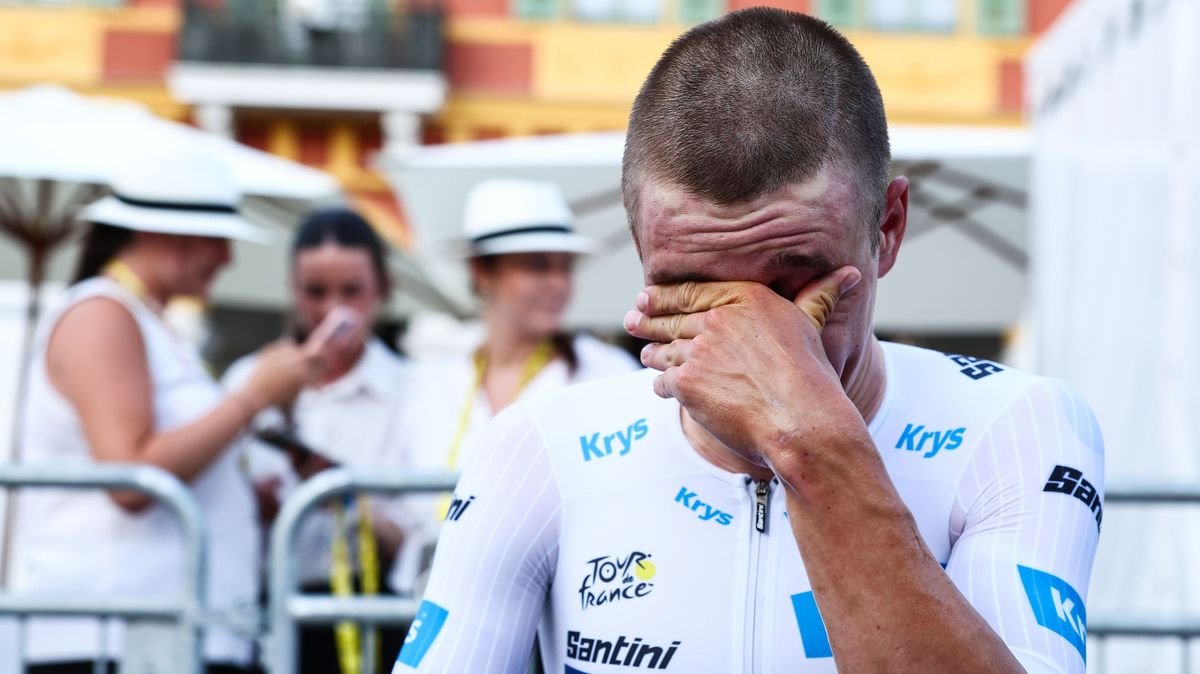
(50, 132)
(59, 149)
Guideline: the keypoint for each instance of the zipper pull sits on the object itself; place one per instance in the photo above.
(762, 492)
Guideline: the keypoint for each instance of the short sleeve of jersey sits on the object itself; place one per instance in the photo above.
(495, 558)
(1029, 508)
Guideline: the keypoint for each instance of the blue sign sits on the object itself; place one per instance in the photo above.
(812, 627)
(1056, 606)
(425, 628)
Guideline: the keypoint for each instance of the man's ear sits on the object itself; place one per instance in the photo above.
(637, 243)
(894, 224)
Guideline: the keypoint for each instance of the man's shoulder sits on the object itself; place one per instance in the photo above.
(953, 399)
(600, 360)
(604, 431)
(931, 390)
(953, 379)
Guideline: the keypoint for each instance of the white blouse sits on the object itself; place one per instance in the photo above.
(351, 421)
(81, 541)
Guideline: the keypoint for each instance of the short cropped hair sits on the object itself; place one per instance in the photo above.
(758, 99)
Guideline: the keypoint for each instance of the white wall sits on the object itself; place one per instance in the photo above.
(1115, 228)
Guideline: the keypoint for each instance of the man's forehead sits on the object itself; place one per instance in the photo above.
(686, 237)
(660, 199)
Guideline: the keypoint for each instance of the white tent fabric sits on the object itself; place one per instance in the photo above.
(1115, 267)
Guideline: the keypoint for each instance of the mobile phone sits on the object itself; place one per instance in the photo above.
(337, 324)
(296, 449)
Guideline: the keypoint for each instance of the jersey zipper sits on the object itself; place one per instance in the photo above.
(758, 542)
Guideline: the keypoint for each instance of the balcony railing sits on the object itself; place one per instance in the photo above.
(362, 34)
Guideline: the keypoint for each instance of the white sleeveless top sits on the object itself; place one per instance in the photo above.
(82, 541)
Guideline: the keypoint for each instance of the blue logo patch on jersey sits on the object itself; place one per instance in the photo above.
(1056, 606)
(915, 438)
(425, 628)
(812, 627)
(598, 446)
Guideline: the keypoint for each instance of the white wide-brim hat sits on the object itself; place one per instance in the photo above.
(505, 215)
(185, 192)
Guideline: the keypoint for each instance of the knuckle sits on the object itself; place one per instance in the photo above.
(755, 292)
(676, 324)
(685, 375)
(670, 357)
(689, 293)
(718, 319)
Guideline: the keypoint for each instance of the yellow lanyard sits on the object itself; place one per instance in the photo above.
(537, 360)
(341, 580)
(129, 280)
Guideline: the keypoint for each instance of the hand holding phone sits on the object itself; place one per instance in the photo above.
(336, 333)
(306, 461)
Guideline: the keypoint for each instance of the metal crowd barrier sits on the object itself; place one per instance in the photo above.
(288, 608)
(186, 610)
(1185, 628)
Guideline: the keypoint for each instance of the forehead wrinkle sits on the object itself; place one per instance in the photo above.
(694, 224)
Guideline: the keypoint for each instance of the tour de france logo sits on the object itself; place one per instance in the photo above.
(614, 578)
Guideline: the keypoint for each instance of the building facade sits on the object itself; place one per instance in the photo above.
(330, 82)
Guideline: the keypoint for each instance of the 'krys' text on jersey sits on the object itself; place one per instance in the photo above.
(705, 511)
(915, 438)
(600, 445)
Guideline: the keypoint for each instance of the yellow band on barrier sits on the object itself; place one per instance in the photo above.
(341, 579)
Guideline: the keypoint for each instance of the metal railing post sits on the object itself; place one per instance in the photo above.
(1153, 494)
(1182, 628)
(188, 611)
(286, 609)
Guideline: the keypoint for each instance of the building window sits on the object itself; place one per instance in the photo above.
(1001, 17)
(620, 11)
(538, 9)
(924, 16)
(841, 13)
(936, 16)
(699, 11)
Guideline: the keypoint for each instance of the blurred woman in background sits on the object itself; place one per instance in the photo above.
(109, 381)
(346, 417)
(521, 251)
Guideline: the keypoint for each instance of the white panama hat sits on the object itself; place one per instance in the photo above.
(505, 215)
(186, 191)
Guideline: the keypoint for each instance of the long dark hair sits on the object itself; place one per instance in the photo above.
(347, 229)
(101, 245)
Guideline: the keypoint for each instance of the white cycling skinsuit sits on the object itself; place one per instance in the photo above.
(586, 516)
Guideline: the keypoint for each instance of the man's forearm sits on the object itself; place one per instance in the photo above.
(886, 602)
